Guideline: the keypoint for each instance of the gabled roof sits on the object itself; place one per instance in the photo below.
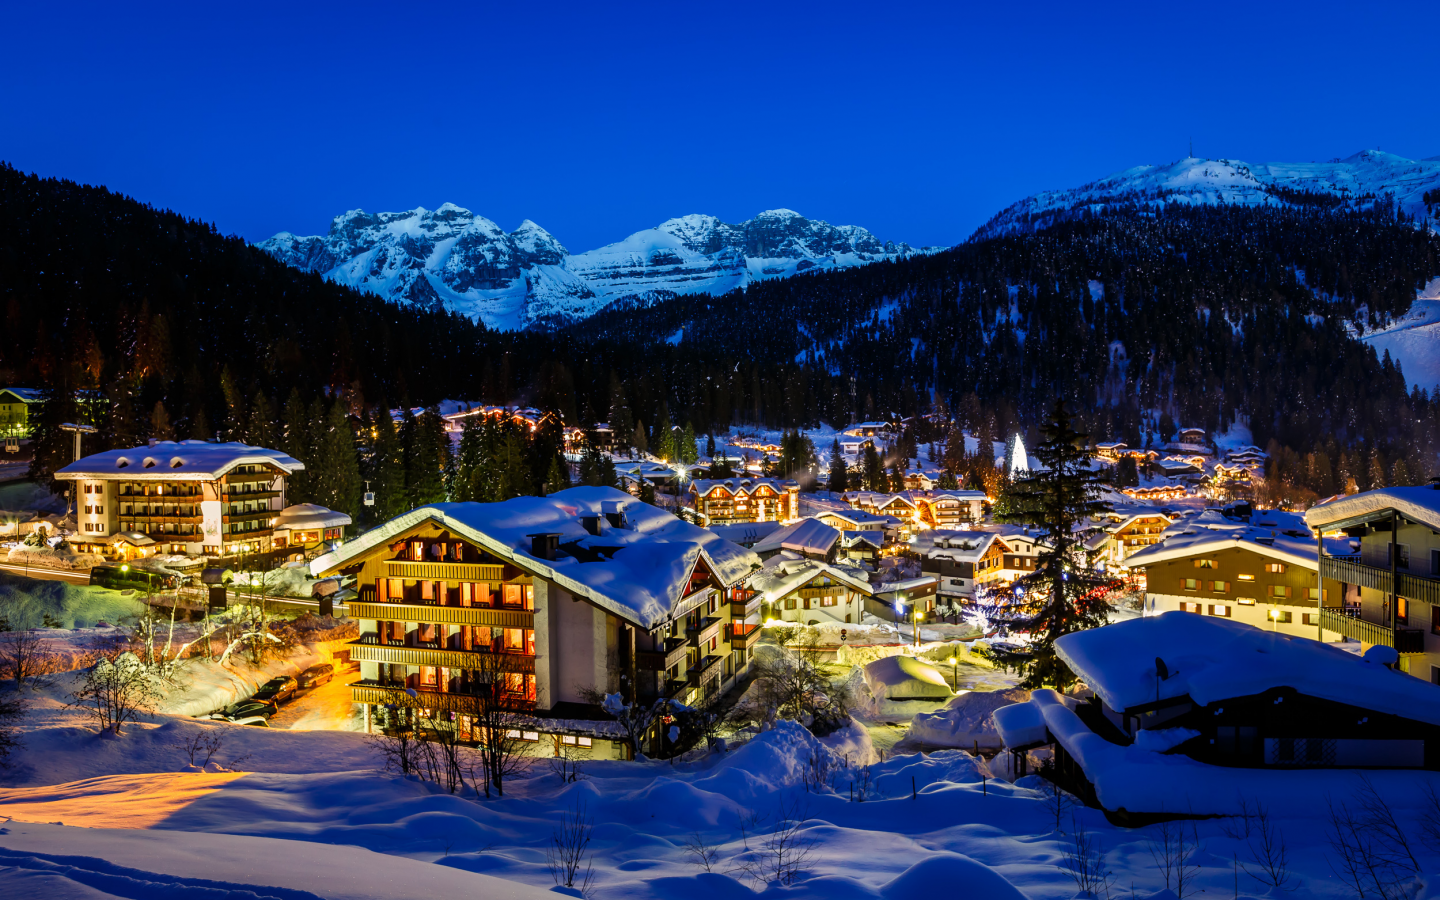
(861, 517)
(744, 532)
(1274, 533)
(1214, 659)
(1418, 504)
(703, 487)
(783, 574)
(309, 515)
(956, 545)
(176, 461)
(852, 538)
(804, 536)
(24, 395)
(639, 572)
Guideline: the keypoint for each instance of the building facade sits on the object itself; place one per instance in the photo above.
(190, 497)
(584, 592)
(732, 501)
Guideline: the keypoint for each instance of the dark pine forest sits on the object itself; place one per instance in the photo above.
(150, 324)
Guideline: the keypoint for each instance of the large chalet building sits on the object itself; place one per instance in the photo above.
(1387, 575)
(586, 590)
(732, 501)
(190, 497)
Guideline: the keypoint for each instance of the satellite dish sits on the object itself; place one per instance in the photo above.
(1162, 670)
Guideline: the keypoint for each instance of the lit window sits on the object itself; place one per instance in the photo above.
(1246, 577)
(1276, 568)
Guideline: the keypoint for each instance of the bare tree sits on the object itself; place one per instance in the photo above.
(398, 749)
(1174, 847)
(795, 684)
(1380, 819)
(568, 764)
(636, 718)
(1084, 861)
(1268, 853)
(202, 745)
(569, 849)
(117, 689)
(1238, 827)
(786, 851)
(705, 855)
(1430, 816)
(26, 657)
(1058, 802)
(499, 718)
(1362, 853)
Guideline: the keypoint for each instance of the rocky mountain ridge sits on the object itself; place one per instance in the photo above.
(454, 258)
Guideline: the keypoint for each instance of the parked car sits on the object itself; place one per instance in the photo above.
(242, 710)
(276, 690)
(315, 676)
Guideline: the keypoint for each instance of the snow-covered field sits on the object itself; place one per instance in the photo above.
(309, 814)
(1414, 339)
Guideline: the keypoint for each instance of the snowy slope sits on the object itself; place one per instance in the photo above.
(1414, 340)
(454, 258)
(1193, 180)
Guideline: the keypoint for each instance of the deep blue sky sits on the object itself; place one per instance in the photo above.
(603, 119)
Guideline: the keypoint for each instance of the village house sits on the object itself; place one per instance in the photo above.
(734, 500)
(1126, 532)
(888, 527)
(1388, 572)
(810, 591)
(584, 590)
(868, 429)
(1111, 450)
(1183, 704)
(1257, 567)
(188, 497)
(810, 538)
(1152, 493)
(950, 509)
(16, 405)
(961, 561)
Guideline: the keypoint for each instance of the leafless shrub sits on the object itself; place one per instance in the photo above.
(1365, 854)
(706, 855)
(117, 689)
(1238, 827)
(750, 823)
(863, 787)
(398, 750)
(202, 745)
(569, 849)
(786, 851)
(1084, 861)
(567, 765)
(1430, 816)
(1268, 853)
(1174, 846)
(26, 657)
(1058, 802)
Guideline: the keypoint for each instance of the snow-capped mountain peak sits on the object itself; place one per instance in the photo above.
(1361, 177)
(452, 257)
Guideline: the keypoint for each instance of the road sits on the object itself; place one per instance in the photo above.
(326, 708)
(48, 574)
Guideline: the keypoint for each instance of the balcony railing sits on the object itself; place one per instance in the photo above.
(374, 692)
(435, 614)
(676, 689)
(703, 670)
(1404, 640)
(1351, 571)
(740, 609)
(443, 571)
(366, 651)
(662, 660)
(741, 636)
(703, 631)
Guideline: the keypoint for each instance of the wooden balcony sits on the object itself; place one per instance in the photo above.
(1405, 640)
(229, 496)
(662, 660)
(231, 518)
(1351, 571)
(443, 571)
(361, 692)
(742, 637)
(743, 609)
(704, 670)
(443, 615)
(706, 629)
(363, 651)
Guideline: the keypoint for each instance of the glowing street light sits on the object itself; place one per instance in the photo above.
(954, 670)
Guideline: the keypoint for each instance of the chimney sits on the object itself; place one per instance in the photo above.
(543, 545)
(614, 513)
(591, 524)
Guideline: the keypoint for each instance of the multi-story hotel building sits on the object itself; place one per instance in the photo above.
(731, 501)
(586, 590)
(191, 497)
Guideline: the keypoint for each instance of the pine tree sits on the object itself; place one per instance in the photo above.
(337, 478)
(558, 477)
(710, 446)
(1064, 594)
(233, 427)
(295, 441)
(200, 426)
(160, 428)
(839, 472)
(387, 470)
(686, 451)
(873, 470)
(468, 461)
(621, 422)
(432, 460)
(262, 430)
(638, 441)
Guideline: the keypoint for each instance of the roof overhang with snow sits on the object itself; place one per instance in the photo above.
(1417, 504)
(175, 461)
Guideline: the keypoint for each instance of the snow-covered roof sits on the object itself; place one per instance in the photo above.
(904, 678)
(861, 517)
(805, 536)
(175, 461)
(908, 584)
(704, 486)
(135, 538)
(1418, 504)
(745, 532)
(25, 395)
(786, 571)
(1274, 533)
(851, 538)
(1213, 659)
(952, 544)
(308, 515)
(638, 572)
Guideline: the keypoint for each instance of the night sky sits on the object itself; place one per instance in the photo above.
(598, 120)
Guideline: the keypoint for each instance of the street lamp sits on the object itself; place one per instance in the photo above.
(1275, 619)
(916, 628)
(954, 670)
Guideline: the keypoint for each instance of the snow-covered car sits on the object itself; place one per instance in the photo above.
(243, 709)
(276, 690)
(315, 676)
(260, 721)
